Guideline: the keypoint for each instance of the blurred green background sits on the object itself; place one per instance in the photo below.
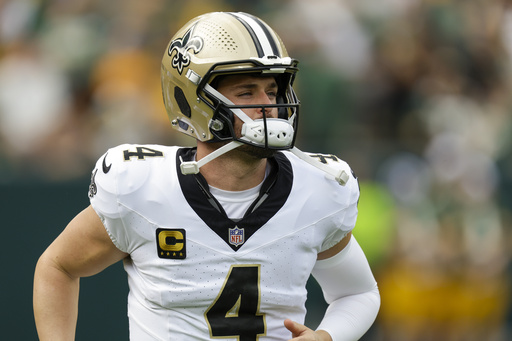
(414, 94)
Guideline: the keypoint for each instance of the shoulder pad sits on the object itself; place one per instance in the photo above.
(334, 167)
(119, 172)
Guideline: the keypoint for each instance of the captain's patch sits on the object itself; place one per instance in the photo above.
(171, 243)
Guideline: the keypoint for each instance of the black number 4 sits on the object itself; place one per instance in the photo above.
(235, 312)
(141, 153)
(324, 158)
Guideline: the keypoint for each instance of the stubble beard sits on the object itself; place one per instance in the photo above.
(256, 152)
(247, 152)
(252, 151)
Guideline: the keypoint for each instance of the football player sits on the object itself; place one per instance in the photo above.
(218, 241)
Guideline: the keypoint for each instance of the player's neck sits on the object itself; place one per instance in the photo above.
(233, 171)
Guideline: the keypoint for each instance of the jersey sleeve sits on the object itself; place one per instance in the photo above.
(112, 181)
(332, 206)
(342, 221)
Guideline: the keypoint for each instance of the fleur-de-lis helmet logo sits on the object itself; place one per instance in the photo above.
(182, 46)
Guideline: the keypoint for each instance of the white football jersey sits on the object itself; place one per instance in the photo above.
(193, 273)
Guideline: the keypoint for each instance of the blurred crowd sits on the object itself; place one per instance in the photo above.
(414, 94)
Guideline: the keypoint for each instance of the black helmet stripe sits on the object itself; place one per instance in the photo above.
(263, 40)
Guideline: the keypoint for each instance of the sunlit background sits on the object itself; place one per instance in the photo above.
(415, 95)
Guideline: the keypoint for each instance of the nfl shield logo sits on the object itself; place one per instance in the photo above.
(236, 236)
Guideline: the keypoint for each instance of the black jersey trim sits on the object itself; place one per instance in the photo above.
(277, 189)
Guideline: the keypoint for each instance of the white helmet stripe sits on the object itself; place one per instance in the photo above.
(263, 40)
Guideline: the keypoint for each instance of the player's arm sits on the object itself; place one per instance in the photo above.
(351, 291)
(82, 249)
(349, 288)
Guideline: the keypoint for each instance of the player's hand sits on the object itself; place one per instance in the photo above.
(303, 333)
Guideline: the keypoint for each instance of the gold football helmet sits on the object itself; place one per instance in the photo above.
(226, 43)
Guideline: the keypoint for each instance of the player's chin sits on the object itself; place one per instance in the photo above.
(257, 152)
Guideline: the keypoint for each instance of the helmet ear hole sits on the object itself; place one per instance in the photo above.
(226, 117)
(182, 102)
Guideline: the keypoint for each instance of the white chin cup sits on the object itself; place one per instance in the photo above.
(279, 132)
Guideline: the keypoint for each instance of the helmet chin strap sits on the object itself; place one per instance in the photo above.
(339, 175)
(192, 167)
(274, 132)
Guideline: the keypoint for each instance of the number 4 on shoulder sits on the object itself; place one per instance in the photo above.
(142, 153)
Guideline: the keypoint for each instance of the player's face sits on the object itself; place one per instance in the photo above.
(250, 90)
